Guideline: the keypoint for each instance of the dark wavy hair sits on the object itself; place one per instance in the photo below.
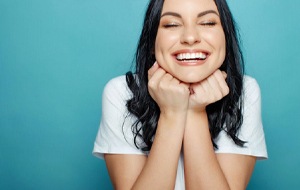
(225, 114)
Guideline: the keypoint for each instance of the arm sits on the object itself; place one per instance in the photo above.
(203, 168)
(206, 170)
(159, 169)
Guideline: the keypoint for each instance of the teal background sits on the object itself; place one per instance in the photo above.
(57, 55)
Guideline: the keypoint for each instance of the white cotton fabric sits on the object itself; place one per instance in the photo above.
(115, 136)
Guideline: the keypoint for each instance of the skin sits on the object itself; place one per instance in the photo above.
(190, 27)
(182, 93)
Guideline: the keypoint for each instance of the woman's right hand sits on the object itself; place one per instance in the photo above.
(169, 93)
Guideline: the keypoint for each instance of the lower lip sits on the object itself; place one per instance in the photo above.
(191, 63)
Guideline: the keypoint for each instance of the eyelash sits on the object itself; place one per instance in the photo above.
(208, 23)
(171, 25)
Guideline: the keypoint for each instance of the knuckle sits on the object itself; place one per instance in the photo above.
(162, 85)
(219, 96)
(218, 72)
(226, 90)
(151, 84)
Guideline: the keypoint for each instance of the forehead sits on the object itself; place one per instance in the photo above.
(188, 6)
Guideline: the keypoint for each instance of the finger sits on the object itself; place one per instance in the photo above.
(177, 83)
(152, 70)
(216, 89)
(202, 93)
(206, 87)
(156, 77)
(186, 86)
(201, 89)
(224, 74)
(220, 77)
(165, 80)
(196, 88)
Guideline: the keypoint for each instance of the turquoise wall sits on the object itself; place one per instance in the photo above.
(56, 56)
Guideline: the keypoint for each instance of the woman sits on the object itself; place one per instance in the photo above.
(188, 118)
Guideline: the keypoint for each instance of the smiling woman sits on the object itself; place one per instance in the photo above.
(190, 45)
(190, 118)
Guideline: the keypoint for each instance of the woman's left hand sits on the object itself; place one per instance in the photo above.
(208, 91)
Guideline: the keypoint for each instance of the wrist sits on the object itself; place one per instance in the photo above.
(173, 114)
(197, 112)
(196, 117)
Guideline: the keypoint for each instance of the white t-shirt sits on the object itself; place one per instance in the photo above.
(115, 135)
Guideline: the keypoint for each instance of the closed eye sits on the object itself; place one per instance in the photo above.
(170, 25)
(208, 23)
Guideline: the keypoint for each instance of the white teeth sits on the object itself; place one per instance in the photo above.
(186, 56)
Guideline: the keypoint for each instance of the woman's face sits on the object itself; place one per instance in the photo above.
(190, 42)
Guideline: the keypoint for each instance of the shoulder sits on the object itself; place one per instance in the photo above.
(251, 90)
(117, 87)
(250, 84)
(251, 99)
(115, 135)
(252, 127)
(251, 130)
(117, 83)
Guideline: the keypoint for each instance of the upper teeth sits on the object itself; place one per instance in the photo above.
(199, 55)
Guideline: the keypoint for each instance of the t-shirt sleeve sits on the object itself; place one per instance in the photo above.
(251, 130)
(114, 135)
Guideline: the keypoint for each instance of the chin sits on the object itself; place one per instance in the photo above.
(191, 75)
(190, 79)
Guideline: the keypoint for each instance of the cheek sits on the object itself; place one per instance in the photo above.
(165, 40)
(223, 47)
(222, 43)
(161, 47)
(216, 39)
(157, 51)
(158, 45)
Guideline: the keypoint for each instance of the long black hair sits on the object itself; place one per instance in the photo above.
(225, 114)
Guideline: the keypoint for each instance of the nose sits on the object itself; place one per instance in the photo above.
(190, 35)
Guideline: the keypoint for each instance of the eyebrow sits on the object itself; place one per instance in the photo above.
(199, 15)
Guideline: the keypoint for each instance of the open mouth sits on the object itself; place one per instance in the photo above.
(191, 56)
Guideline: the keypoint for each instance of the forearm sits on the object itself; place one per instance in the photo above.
(160, 169)
(202, 170)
